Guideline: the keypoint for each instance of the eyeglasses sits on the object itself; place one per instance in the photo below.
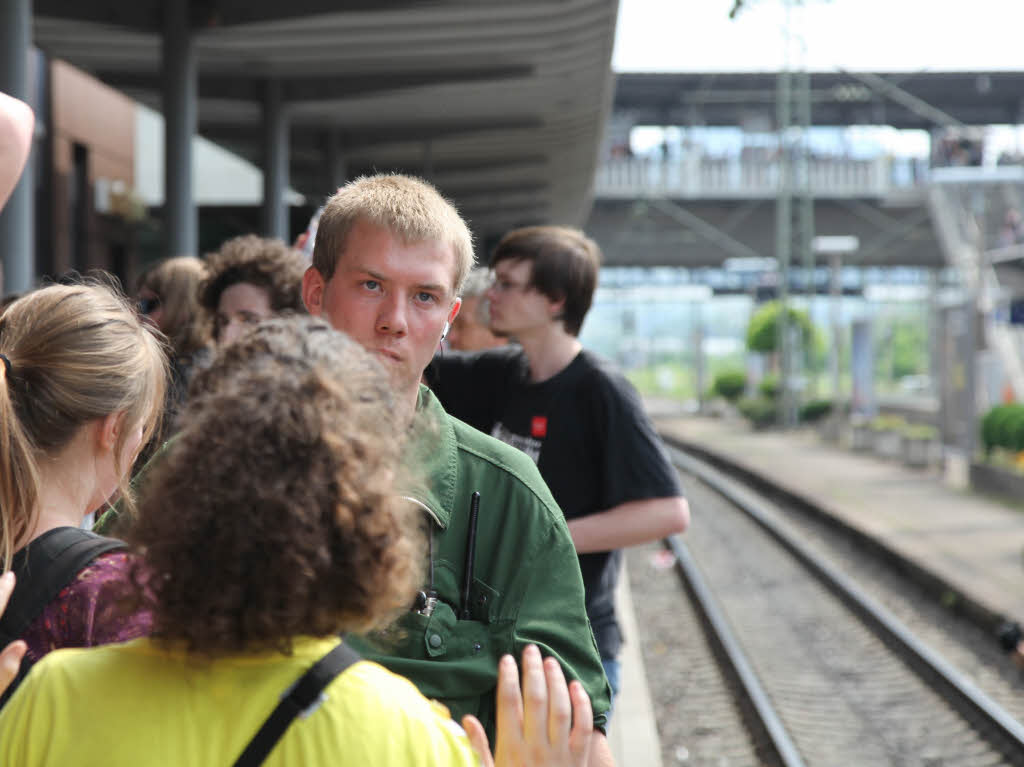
(507, 286)
(148, 305)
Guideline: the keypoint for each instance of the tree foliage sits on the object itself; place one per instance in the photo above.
(763, 332)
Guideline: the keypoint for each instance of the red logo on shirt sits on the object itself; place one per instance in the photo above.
(539, 426)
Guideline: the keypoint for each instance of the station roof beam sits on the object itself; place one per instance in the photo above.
(458, 90)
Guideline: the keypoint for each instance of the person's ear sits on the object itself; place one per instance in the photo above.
(313, 284)
(556, 309)
(456, 305)
(108, 429)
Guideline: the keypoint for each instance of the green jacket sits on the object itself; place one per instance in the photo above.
(526, 587)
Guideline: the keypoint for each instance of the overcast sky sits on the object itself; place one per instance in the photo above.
(880, 35)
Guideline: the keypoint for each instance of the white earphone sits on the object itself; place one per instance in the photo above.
(447, 327)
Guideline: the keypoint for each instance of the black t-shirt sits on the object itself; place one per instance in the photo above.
(588, 433)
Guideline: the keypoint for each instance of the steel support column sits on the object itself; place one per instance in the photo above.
(784, 246)
(180, 105)
(337, 165)
(275, 162)
(17, 220)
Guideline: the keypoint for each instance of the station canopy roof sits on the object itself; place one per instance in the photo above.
(502, 105)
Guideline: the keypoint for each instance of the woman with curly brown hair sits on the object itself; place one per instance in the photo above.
(270, 526)
(250, 279)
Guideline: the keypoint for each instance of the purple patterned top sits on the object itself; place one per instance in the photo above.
(85, 612)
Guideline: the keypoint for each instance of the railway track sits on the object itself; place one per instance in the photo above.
(826, 658)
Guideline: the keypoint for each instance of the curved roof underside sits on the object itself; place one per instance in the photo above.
(501, 105)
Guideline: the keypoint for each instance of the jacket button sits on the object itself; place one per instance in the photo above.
(435, 640)
(481, 600)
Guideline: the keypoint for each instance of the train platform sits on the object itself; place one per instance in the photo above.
(633, 734)
(970, 543)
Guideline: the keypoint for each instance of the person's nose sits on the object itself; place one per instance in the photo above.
(391, 317)
(232, 330)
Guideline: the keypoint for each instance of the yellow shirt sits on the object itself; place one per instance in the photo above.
(138, 704)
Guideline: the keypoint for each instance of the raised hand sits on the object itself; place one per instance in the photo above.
(10, 657)
(548, 724)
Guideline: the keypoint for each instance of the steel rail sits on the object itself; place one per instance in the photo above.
(783, 745)
(961, 692)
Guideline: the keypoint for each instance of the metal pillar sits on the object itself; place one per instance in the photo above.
(180, 105)
(805, 210)
(835, 247)
(275, 162)
(699, 366)
(428, 159)
(835, 292)
(793, 233)
(784, 246)
(974, 326)
(337, 167)
(17, 219)
(934, 332)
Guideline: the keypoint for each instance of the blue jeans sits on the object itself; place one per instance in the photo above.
(612, 670)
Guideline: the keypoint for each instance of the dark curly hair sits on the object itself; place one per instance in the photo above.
(261, 261)
(272, 515)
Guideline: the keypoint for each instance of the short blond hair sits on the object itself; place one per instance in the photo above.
(409, 208)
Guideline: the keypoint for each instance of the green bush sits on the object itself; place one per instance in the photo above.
(920, 431)
(769, 387)
(1003, 426)
(815, 410)
(730, 384)
(1009, 427)
(887, 423)
(989, 422)
(761, 412)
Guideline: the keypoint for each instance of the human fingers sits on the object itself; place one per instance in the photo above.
(582, 724)
(6, 589)
(559, 705)
(10, 662)
(535, 699)
(478, 739)
(509, 734)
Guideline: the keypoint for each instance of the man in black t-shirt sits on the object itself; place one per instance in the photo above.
(575, 416)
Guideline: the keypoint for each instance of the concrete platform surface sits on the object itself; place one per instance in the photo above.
(972, 542)
(633, 735)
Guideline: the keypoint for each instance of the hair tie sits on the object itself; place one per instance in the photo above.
(7, 364)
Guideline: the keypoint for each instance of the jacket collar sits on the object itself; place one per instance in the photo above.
(431, 459)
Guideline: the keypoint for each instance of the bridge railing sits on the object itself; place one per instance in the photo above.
(703, 177)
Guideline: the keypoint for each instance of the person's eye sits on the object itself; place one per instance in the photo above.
(426, 298)
(371, 285)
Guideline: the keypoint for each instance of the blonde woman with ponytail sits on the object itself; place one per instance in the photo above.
(82, 383)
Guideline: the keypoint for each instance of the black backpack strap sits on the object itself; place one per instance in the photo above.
(303, 694)
(43, 568)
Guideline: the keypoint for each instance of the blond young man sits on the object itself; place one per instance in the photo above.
(388, 264)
